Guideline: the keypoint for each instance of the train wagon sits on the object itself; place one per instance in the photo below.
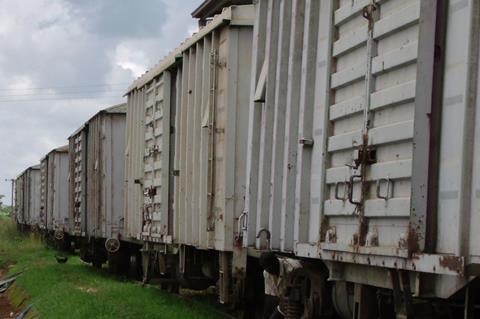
(192, 111)
(343, 134)
(54, 194)
(97, 152)
(27, 198)
(363, 153)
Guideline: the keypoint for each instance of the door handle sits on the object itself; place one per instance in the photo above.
(242, 225)
(379, 183)
(346, 190)
(350, 191)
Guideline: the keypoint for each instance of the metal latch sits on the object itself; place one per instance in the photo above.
(365, 155)
(306, 141)
(370, 12)
(150, 192)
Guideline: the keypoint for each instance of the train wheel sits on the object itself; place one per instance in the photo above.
(112, 245)
(307, 294)
(343, 299)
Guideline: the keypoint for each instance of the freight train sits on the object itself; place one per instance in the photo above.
(341, 133)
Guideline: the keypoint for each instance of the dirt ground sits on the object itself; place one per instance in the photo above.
(6, 309)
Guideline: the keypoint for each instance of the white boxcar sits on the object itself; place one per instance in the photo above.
(195, 111)
(27, 197)
(54, 190)
(364, 139)
(195, 105)
(97, 165)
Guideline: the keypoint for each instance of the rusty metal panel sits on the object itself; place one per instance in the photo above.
(371, 113)
(311, 180)
(77, 188)
(134, 163)
(195, 135)
(98, 165)
(43, 194)
(369, 154)
(54, 208)
(158, 136)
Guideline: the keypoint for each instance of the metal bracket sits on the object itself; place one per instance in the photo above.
(307, 142)
(331, 235)
(365, 155)
(370, 12)
(150, 192)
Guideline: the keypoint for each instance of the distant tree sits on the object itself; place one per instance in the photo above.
(4, 209)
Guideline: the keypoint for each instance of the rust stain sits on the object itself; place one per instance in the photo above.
(453, 263)
(412, 241)
(237, 240)
(363, 230)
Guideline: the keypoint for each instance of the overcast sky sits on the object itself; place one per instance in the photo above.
(63, 60)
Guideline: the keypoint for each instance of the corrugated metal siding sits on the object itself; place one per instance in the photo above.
(50, 203)
(277, 196)
(60, 191)
(99, 169)
(457, 231)
(34, 195)
(135, 149)
(459, 191)
(195, 132)
(291, 129)
(54, 173)
(19, 199)
(343, 84)
(372, 89)
(116, 173)
(157, 169)
(43, 193)
(77, 190)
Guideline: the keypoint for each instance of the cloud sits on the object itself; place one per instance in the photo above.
(79, 56)
(137, 19)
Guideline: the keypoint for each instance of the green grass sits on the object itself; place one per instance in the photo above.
(77, 290)
(5, 211)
